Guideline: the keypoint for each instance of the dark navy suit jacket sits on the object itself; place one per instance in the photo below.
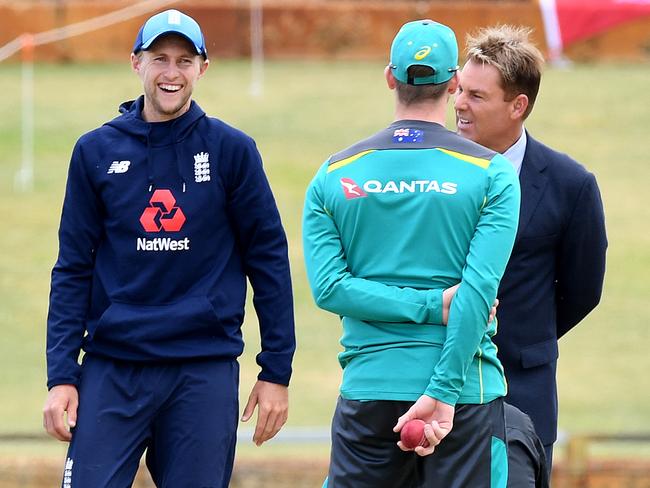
(553, 280)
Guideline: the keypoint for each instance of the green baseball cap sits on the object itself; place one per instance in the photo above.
(424, 43)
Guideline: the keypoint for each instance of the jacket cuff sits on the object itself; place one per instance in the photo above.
(434, 306)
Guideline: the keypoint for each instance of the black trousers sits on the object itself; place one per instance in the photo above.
(365, 453)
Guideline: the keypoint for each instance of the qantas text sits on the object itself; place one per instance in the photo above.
(413, 186)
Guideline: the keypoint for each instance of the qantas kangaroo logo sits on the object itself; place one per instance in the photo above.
(351, 189)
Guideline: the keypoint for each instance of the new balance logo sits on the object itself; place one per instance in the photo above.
(201, 167)
(351, 189)
(118, 167)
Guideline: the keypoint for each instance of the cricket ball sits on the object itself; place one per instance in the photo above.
(412, 434)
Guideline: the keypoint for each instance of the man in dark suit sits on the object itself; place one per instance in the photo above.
(555, 274)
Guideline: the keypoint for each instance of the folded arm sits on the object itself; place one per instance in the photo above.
(335, 289)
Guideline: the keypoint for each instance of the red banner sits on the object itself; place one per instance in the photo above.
(568, 21)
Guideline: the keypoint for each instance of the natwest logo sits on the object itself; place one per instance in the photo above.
(162, 213)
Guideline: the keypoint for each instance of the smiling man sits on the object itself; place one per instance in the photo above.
(167, 212)
(555, 275)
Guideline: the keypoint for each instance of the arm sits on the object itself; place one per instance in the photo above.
(79, 235)
(260, 236)
(581, 259)
(488, 255)
(335, 289)
(263, 246)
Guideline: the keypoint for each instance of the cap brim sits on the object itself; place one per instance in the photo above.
(152, 39)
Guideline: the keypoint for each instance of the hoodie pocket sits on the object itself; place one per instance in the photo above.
(192, 318)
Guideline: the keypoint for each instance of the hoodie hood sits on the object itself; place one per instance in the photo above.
(131, 122)
(157, 133)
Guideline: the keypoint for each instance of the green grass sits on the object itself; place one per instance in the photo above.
(599, 114)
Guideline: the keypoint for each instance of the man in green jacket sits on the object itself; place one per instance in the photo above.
(390, 224)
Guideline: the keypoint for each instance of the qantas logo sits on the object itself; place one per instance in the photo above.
(162, 214)
(352, 190)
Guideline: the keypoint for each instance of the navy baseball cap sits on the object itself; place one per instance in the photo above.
(424, 43)
(168, 22)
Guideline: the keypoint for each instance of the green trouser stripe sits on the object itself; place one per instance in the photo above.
(499, 464)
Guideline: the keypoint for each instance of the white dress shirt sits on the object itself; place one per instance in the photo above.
(515, 153)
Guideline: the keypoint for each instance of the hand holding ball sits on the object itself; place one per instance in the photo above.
(412, 434)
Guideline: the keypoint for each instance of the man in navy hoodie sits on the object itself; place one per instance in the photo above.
(167, 212)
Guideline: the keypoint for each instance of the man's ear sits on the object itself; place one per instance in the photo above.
(204, 67)
(453, 84)
(519, 106)
(135, 63)
(390, 79)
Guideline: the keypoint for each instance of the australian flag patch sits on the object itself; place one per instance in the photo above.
(407, 136)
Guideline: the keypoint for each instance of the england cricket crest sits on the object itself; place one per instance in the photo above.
(202, 167)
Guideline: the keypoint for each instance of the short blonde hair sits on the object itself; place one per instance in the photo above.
(413, 94)
(509, 49)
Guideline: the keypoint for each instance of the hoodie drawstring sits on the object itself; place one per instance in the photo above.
(149, 162)
(177, 150)
(130, 122)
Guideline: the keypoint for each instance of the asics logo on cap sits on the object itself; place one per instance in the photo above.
(422, 53)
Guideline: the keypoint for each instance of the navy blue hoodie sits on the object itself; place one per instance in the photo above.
(161, 225)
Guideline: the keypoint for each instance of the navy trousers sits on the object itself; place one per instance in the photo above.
(183, 414)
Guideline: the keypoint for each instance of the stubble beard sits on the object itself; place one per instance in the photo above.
(175, 111)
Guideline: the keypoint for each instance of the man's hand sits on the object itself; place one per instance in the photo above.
(273, 403)
(448, 296)
(493, 311)
(439, 419)
(61, 399)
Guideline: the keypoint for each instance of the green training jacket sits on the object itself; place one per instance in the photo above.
(388, 224)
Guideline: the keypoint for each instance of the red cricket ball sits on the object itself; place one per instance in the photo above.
(412, 434)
